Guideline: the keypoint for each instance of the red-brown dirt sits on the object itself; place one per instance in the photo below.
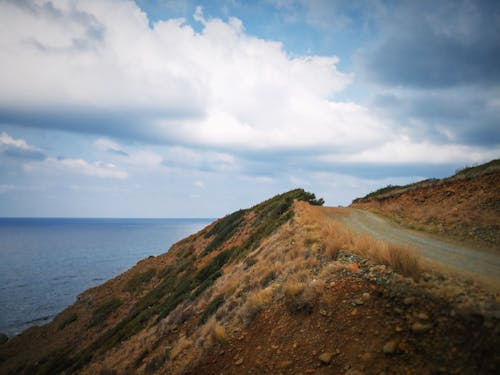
(466, 209)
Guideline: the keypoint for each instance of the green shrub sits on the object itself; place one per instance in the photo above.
(211, 308)
(223, 230)
(105, 310)
(137, 281)
(214, 265)
(72, 317)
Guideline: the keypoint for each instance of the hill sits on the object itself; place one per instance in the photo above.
(465, 206)
(277, 288)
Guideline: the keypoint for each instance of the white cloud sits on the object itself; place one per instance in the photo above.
(219, 87)
(182, 157)
(402, 150)
(145, 158)
(105, 144)
(78, 166)
(199, 184)
(6, 141)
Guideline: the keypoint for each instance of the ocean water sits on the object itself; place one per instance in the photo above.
(46, 263)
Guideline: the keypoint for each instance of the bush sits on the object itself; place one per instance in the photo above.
(223, 230)
(137, 281)
(299, 297)
(105, 310)
(72, 317)
(211, 308)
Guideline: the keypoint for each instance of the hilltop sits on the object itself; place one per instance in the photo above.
(281, 287)
(464, 207)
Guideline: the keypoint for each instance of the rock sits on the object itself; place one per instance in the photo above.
(365, 357)
(239, 361)
(420, 327)
(354, 372)
(422, 316)
(325, 358)
(3, 338)
(358, 301)
(366, 296)
(390, 347)
(284, 364)
(409, 301)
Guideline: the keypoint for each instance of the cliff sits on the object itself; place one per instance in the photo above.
(277, 288)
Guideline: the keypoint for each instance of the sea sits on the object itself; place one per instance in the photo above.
(46, 263)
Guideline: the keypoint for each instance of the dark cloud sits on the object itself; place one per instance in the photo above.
(429, 44)
(118, 152)
(381, 171)
(135, 124)
(21, 153)
(446, 116)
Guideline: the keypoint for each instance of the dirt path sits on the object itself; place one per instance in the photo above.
(477, 263)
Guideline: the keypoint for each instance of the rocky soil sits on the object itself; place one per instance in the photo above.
(463, 207)
(369, 320)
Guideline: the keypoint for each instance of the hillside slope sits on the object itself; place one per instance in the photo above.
(278, 288)
(465, 206)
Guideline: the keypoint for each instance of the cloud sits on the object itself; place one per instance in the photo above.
(433, 68)
(108, 145)
(145, 159)
(403, 151)
(77, 166)
(168, 83)
(428, 44)
(218, 99)
(201, 160)
(19, 148)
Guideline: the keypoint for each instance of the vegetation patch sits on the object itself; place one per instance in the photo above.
(104, 311)
(478, 169)
(299, 297)
(211, 308)
(223, 230)
(136, 283)
(214, 265)
(273, 213)
(72, 317)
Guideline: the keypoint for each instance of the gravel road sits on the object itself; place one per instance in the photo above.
(476, 262)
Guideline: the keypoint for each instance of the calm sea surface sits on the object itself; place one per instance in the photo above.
(46, 263)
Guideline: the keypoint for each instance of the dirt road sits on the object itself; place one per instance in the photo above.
(481, 264)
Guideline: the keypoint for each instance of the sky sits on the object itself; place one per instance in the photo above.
(115, 108)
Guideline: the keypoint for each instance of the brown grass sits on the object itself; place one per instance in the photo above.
(335, 236)
(256, 302)
(182, 344)
(299, 296)
(219, 333)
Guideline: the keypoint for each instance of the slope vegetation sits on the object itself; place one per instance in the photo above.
(465, 206)
(277, 288)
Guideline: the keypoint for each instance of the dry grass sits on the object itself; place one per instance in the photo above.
(299, 296)
(335, 237)
(400, 258)
(219, 333)
(255, 303)
(182, 345)
(403, 260)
